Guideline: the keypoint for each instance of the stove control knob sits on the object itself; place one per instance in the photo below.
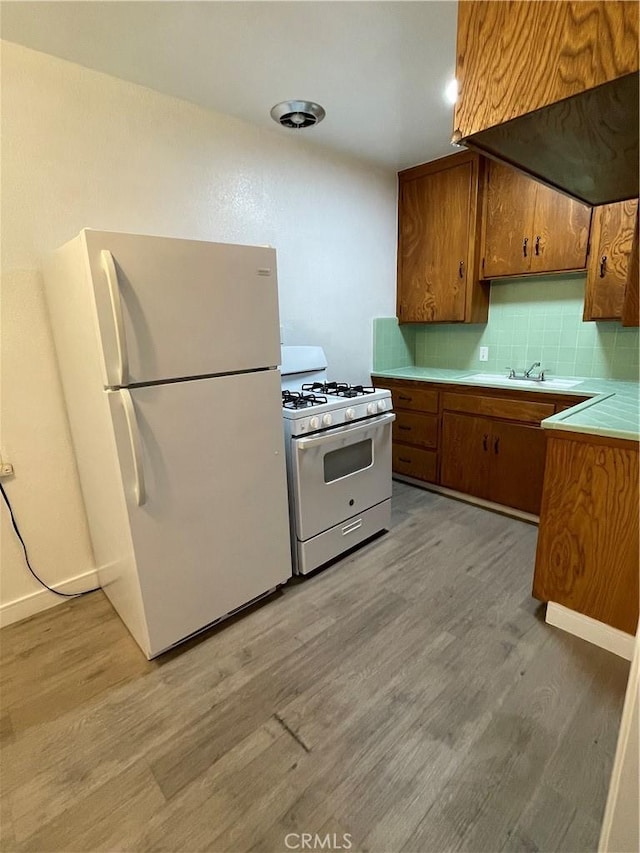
(327, 420)
(314, 422)
(382, 405)
(350, 414)
(372, 409)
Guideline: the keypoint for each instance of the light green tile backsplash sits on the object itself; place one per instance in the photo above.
(529, 320)
(393, 345)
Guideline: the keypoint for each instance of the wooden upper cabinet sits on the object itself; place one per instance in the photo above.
(510, 199)
(609, 269)
(530, 229)
(438, 228)
(552, 87)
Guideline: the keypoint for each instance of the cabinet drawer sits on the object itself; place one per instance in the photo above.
(415, 462)
(415, 399)
(420, 430)
(497, 407)
(564, 404)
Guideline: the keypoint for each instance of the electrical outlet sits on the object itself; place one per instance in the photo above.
(6, 469)
(484, 353)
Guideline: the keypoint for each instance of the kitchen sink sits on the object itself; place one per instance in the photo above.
(502, 378)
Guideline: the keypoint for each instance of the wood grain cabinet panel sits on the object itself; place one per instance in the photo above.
(587, 556)
(438, 236)
(466, 446)
(417, 429)
(528, 411)
(609, 260)
(495, 460)
(508, 222)
(552, 87)
(517, 465)
(406, 396)
(415, 462)
(529, 229)
(514, 58)
(560, 237)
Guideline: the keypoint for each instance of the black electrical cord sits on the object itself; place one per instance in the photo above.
(26, 556)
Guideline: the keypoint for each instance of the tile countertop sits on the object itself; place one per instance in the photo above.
(612, 410)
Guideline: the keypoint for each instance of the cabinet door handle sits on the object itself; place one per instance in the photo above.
(524, 247)
(496, 445)
(461, 269)
(404, 459)
(402, 397)
(603, 266)
(485, 439)
(537, 246)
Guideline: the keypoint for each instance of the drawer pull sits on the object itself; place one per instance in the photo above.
(603, 266)
(349, 528)
(402, 397)
(404, 459)
(404, 428)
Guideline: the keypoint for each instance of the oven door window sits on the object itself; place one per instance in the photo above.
(348, 460)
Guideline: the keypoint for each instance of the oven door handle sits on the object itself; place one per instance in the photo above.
(329, 437)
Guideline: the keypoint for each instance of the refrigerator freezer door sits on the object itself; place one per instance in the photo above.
(203, 471)
(171, 309)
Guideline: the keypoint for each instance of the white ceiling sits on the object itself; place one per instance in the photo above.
(378, 68)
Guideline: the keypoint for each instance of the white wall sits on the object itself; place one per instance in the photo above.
(82, 149)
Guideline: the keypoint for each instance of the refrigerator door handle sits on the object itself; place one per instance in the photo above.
(109, 267)
(136, 449)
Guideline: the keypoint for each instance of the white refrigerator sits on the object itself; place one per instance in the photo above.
(168, 352)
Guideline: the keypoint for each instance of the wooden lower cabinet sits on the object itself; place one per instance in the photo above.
(416, 429)
(498, 461)
(517, 465)
(587, 556)
(482, 442)
(415, 462)
(465, 454)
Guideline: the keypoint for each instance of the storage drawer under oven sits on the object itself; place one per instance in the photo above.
(339, 473)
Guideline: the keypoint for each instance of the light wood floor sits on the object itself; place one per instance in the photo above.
(409, 695)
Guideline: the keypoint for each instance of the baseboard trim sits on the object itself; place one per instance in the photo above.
(598, 633)
(42, 599)
(469, 499)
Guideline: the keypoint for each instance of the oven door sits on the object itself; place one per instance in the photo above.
(340, 473)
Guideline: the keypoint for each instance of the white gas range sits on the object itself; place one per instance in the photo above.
(338, 446)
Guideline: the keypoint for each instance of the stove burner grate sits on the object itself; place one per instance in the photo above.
(339, 389)
(300, 400)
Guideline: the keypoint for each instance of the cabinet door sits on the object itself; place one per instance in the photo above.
(611, 241)
(517, 465)
(560, 232)
(434, 232)
(514, 58)
(465, 454)
(509, 209)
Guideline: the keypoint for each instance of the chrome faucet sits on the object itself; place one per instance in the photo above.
(527, 373)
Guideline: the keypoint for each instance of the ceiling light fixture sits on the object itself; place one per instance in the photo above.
(451, 91)
(297, 114)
